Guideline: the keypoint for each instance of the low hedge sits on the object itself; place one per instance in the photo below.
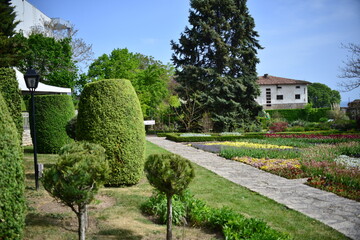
(213, 137)
(12, 200)
(52, 113)
(295, 114)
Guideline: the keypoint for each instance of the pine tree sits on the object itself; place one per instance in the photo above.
(216, 61)
(10, 43)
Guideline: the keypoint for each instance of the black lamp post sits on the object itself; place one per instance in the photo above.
(32, 81)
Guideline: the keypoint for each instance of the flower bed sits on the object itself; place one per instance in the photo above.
(327, 173)
(249, 145)
(288, 168)
(314, 136)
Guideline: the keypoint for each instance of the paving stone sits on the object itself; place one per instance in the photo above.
(339, 213)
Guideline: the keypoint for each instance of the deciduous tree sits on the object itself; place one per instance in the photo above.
(216, 59)
(149, 77)
(351, 70)
(51, 58)
(320, 95)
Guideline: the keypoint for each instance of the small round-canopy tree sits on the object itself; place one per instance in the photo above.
(76, 177)
(170, 174)
(110, 114)
(12, 201)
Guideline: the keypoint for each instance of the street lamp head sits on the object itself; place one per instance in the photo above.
(31, 79)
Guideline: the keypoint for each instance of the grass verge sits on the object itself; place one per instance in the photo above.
(116, 213)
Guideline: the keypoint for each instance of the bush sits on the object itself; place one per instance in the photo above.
(110, 115)
(196, 213)
(278, 126)
(52, 113)
(9, 88)
(12, 200)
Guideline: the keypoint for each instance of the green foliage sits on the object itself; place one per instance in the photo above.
(312, 114)
(197, 213)
(10, 44)
(216, 62)
(109, 114)
(169, 173)
(51, 58)
(12, 187)
(321, 96)
(149, 77)
(212, 137)
(80, 171)
(52, 113)
(71, 128)
(230, 152)
(9, 88)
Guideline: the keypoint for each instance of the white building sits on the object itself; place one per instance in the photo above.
(30, 17)
(282, 93)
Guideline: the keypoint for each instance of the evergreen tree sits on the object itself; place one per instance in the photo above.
(216, 61)
(10, 43)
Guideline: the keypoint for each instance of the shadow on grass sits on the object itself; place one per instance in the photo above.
(35, 219)
(120, 234)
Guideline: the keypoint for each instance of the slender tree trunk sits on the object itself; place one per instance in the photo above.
(169, 218)
(82, 222)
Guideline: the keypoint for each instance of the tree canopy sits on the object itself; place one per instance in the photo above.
(51, 58)
(149, 77)
(216, 61)
(320, 95)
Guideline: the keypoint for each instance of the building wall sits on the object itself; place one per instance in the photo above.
(283, 96)
(28, 15)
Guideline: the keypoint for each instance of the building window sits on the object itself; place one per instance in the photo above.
(297, 86)
(279, 97)
(278, 87)
(297, 96)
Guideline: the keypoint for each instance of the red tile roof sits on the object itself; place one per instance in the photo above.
(272, 80)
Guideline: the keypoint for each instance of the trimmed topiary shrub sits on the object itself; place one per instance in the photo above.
(52, 113)
(109, 114)
(12, 201)
(76, 178)
(9, 88)
(170, 174)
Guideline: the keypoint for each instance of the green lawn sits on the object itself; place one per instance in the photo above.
(116, 214)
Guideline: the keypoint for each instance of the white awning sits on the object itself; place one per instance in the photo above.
(42, 88)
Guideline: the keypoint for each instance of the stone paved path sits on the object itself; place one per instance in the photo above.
(339, 213)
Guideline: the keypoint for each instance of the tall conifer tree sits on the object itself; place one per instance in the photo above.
(10, 43)
(216, 61)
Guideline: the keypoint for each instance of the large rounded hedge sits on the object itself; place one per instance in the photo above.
(52, 113)
(12, 200)
(110, 114)
(9, 88)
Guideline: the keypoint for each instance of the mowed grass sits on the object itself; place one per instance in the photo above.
(116, 212)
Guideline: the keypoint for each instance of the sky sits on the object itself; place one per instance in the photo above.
(302, 39)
